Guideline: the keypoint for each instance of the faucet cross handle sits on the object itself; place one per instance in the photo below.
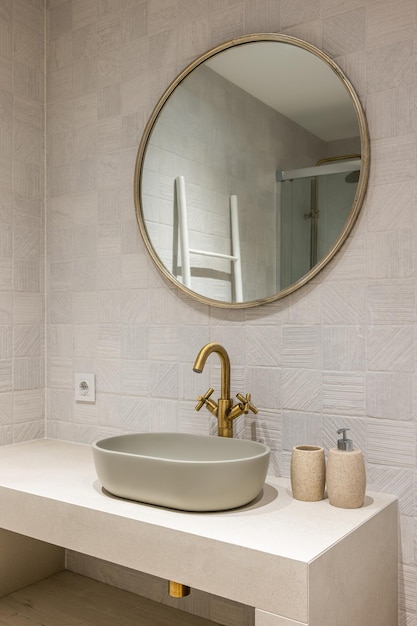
(202, 400)
(245, 403)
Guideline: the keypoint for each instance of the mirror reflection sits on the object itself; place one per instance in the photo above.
(251, 171)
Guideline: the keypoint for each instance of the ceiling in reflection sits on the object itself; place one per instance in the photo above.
(251, 69)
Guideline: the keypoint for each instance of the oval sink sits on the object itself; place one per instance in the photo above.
(182, 471)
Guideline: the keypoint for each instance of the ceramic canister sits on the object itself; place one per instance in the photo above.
(308, 473)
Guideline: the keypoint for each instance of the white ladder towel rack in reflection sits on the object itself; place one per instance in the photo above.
(186, 251)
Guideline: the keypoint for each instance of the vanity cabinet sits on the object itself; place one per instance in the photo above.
(297, 563)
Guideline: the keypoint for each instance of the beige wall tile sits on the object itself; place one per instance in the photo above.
(344, 393)
(390, 302)
(344, 33)
(391, 443)
(83, 12)
(389, 66)
(391, 206)
(390, 395)
(387, 26)
(301, 390)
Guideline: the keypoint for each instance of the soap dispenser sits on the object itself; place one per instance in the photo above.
(346, 477)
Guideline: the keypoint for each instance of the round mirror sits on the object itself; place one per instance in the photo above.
(251, 171)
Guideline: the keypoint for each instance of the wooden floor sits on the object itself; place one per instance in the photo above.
(68, 599)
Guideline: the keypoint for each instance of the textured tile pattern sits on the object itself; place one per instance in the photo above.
(22, 194)
(340, 352)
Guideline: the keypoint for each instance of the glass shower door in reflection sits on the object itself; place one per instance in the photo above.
(313, 205)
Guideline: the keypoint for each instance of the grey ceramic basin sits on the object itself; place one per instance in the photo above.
(181, 471)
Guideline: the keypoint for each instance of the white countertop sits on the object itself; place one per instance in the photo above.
(269, 554)
(276, 523)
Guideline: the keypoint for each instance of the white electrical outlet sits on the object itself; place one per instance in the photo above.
(85, 388)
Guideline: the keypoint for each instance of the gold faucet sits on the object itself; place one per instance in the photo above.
(223, 409)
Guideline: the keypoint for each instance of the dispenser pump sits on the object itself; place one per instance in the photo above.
(344, 443)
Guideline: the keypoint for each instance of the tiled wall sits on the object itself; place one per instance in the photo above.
(22, 193)
(340, 352)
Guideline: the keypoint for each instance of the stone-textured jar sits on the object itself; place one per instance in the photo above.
(346, 478)
(308, 473)
(346, 474)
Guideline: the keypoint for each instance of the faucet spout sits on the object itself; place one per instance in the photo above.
(201, 359)
(223, 409)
